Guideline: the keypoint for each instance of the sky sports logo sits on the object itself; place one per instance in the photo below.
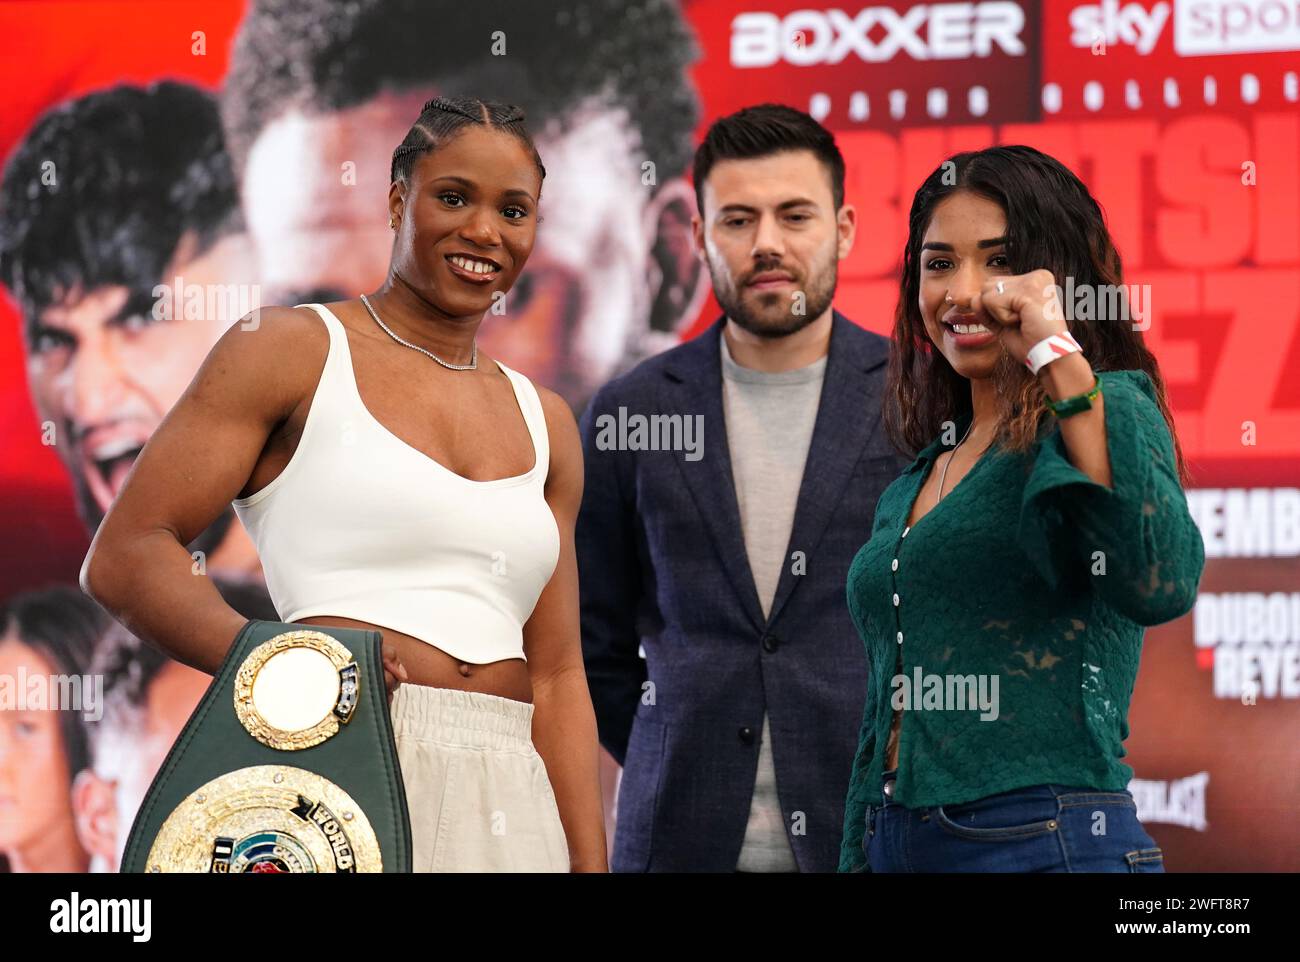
(1201, 28)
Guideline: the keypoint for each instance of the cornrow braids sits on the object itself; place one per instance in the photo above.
(442, 118)
(446, 103)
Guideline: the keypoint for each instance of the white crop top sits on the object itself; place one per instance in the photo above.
(361, 525)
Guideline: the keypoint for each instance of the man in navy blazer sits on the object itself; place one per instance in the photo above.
(729, 483)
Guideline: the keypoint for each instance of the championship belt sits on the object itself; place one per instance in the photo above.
(287, 765)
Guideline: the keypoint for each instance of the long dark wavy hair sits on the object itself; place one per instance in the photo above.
(1052, 223)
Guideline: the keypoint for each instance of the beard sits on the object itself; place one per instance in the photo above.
(772, 314)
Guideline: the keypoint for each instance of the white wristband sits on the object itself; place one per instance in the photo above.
(1050, 349)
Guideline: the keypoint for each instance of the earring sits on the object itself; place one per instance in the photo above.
(391, 225)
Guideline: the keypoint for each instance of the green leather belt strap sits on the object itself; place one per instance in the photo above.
(329, 798)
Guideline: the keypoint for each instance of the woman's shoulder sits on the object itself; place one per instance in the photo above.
(553, 406)
(561, 425)
(564, 474)
(288, 332)
(559, 416)
(272, 336)
(276, 352)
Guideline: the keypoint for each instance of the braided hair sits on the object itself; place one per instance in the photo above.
(443, 117)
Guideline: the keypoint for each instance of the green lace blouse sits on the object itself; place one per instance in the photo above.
(1030, 574)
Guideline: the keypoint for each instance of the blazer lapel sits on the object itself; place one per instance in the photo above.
(848, 414)
(694, 386)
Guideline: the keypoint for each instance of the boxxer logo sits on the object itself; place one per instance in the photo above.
(943, 31)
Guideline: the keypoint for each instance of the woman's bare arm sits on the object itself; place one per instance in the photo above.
(194, 465)
(564, 723)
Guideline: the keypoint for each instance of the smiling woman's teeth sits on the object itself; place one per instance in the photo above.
(970, 328)
(478, 267)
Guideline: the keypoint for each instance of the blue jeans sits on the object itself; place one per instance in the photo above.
(1044, 828)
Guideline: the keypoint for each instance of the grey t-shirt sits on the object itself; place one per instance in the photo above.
(770, 418)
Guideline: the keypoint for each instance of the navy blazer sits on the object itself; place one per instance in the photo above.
(663, 569)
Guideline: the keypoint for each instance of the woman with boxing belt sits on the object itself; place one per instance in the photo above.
(1012, 567)
(395, 479)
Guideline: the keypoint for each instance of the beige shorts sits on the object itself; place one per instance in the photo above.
(478, 792)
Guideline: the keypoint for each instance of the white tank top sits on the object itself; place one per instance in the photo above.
(361, 525)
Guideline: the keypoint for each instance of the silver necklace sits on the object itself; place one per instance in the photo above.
(944, 475)
(473, 359)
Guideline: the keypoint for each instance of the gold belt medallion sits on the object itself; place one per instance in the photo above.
(267, 818)
(295, 690)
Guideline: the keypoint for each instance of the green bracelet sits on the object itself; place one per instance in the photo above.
(1080, 402)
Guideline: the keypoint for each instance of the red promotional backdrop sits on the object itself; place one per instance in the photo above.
(1182, 117)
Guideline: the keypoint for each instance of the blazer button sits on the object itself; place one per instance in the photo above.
(771, 642)
(746, 735)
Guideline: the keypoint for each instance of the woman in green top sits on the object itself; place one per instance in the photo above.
(1011, 569)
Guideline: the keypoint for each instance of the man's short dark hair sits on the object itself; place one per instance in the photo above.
(322, 56)
(104, 187)
(764, 130)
